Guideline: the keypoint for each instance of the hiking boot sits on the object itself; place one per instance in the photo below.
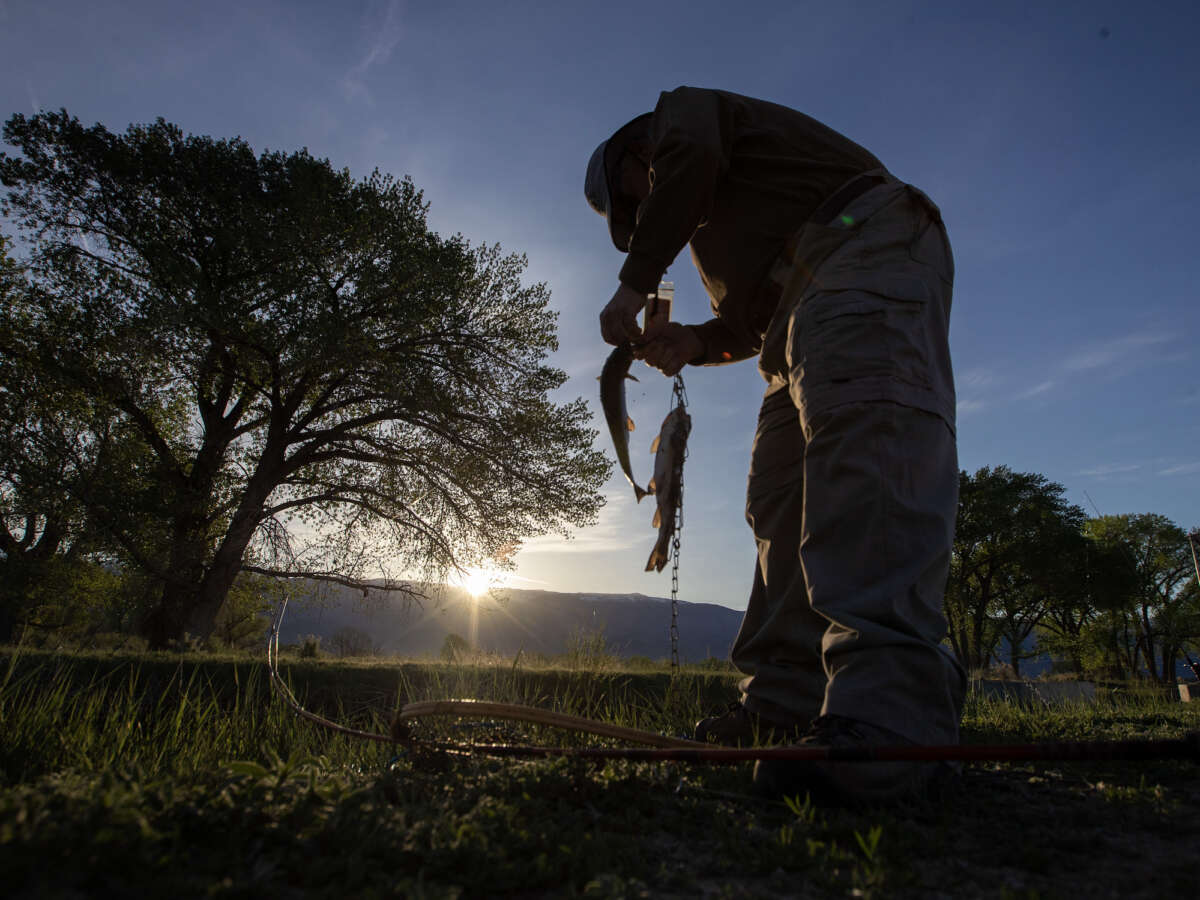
(853, 783)
(738, 727)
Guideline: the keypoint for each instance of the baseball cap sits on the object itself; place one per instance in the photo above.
(602, 174)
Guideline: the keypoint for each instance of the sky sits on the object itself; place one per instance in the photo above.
(1060, 141)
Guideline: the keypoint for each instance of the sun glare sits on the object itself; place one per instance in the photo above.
(477, 581)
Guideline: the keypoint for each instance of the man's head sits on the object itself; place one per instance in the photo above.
(618, 178)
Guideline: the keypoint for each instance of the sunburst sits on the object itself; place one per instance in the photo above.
(478, 580)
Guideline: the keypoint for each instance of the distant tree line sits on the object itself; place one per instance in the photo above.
(1111, 596)
(219, 370)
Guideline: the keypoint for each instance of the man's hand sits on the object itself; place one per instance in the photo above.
(668, 347)
(618, 321)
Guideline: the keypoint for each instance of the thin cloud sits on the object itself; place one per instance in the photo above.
(611, 534)
(1104, 471)
(971, 384)
(977, 378)
(513, 579)
(1185, 469)
(1037, 389)
(1118, 352)
(385, 35)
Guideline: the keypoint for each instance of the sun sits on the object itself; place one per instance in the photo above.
(478, 580)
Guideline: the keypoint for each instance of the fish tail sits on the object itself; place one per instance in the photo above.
(658, 559)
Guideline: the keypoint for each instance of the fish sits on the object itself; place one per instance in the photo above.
(612, 399)
(668, 449)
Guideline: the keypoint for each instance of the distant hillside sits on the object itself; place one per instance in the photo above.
(510, 620)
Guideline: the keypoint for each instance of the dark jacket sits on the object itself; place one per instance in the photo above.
(733, 177)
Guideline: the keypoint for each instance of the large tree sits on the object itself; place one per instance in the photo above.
(353, 388)
(1091, 583)
(1162, 614)
(1011, 531)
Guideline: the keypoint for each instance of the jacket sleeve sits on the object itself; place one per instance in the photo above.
(721, 345)
(691, 134)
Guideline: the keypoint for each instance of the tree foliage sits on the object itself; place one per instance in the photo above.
(1012, 530)
(1113, 595)
(1160, 615)
(351, 641)
(56, 445)
(1092, 582)
(313, 382)
(456, 648)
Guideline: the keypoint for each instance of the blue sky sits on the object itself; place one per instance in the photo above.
(1060, 140)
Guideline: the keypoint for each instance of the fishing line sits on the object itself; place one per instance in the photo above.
(679, 393)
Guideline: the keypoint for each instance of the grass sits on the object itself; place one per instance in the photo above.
(161, 775)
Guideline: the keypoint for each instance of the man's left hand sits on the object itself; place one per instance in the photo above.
(618, 320)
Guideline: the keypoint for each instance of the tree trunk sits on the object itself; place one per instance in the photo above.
(190, 539)
(1168, 664)
(195, 587)
(227, 562)
(1148, 647)
(213, 589)
(167, 621)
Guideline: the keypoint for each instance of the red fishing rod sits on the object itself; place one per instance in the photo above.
(1185, 748)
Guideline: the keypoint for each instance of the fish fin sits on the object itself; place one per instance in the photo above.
(654, 443)
(629, 426)
(657, 521)
(631, 377)
(651, 488)
(641, 492)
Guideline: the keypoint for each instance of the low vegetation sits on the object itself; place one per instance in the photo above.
(179, 775)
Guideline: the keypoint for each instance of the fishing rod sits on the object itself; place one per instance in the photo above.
(1185, 748)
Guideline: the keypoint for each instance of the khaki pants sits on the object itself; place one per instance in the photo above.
(853, 482)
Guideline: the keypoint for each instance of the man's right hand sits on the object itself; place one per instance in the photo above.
(669, 347)
(618, 321)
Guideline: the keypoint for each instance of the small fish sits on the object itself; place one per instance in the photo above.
(668, 449)
(612, 398)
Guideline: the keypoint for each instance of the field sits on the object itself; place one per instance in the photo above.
(166, 775)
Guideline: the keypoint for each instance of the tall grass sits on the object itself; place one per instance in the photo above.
(1124, 713)
(180, 716)
(57, 718)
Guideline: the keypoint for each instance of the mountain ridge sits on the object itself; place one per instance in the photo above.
(506, 621)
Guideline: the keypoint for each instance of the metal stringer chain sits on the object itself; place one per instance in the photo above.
(680, 399)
